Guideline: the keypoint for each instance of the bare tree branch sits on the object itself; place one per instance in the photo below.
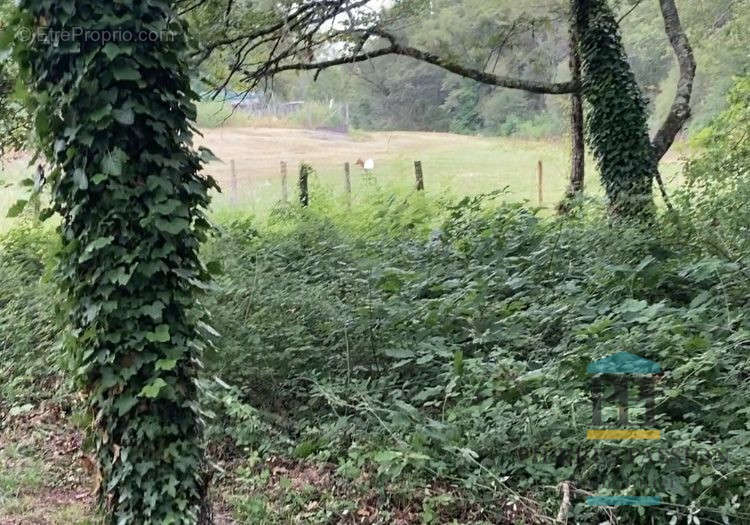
(680, 110)
(533, 86)
(326, 28)
(627, 13)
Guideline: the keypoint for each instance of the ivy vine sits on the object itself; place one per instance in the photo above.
(617, 119)
(112, 110)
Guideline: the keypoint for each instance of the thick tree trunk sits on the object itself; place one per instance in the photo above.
(679, 113)
(616, 122)
(680, 110)
(113, 121)
(578, 162)
(578, 158)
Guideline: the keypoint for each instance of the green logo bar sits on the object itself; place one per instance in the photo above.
(623, 363)
(623, 501)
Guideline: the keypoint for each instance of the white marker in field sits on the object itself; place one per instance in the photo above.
(367, 165)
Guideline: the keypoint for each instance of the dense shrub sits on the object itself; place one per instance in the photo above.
(461, 354)
(718, 181)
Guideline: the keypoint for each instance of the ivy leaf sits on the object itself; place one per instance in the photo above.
(124, 116)
(125, 72)
(206, 155)
(166, 364)
(113, 162)
(153, 310)
(208, 329)
(96, 244)
(151, 391)
(46, 213)
(168, 207)
(17, 208)
(80, 179)
(173, 226)
(160, 335)
(108, 380)
(124, 404)
(112, 50)
(100, 113)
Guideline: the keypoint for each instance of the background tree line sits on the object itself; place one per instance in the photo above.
(528, 41)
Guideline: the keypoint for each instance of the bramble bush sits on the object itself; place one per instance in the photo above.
(461, 354)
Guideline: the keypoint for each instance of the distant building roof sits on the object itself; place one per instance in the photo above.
(623, 363)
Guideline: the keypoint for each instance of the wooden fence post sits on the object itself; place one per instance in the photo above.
(348, 182)
(233, 181)
(284, 184)
(540, 182)
(304, 173)
(254, 189)
(419, 174)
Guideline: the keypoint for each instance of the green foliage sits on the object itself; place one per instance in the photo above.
(30, 368)
(616, 120)
(460, 354)
(14, 119)
(461, 105)
(718, 181)
(716, 31)
(420, 347)
(397, 94)
(113, 120)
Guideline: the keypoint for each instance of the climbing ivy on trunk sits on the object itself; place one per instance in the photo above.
(112, 112)
(617, 119)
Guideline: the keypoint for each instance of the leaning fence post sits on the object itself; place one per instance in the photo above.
(304, 173)
(348, 182)
(419, 175)
(540, 182)
(254, 190)
(284, 184)
(233, 181)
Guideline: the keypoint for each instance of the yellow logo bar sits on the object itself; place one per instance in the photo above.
(623, 434)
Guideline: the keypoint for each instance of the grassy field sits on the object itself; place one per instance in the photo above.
(454, 164)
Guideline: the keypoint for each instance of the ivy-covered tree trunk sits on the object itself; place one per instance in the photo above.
(616, 121)
(113, 106)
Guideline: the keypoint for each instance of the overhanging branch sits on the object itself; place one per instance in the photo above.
(533, 86)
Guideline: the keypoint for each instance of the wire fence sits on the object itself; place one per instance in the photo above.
(248, 184)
